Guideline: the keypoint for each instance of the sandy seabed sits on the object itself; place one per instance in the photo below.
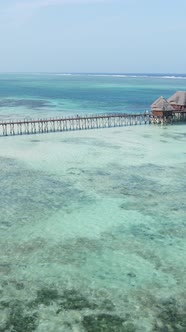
(92, 231)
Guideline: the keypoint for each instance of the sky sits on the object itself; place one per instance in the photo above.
(106, 36)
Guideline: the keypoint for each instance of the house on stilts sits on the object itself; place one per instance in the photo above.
(173, 108)
(178, 101)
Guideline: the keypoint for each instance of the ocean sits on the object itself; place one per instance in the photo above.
(92, 222)
(51, 95)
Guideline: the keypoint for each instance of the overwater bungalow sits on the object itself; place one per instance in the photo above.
(162, 108)
(178, 101)
(171, 108)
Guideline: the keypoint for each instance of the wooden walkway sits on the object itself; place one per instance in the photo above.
(31, 126)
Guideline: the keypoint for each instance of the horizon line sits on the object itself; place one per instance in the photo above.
(92, 73)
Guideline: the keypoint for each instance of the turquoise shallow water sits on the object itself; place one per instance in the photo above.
(51, 95)
(93, 230)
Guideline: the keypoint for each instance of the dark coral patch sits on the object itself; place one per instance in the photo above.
(72, 300)
(106, 323)
(46, 296)
(30, 103)
(171, 317)
(18, 321)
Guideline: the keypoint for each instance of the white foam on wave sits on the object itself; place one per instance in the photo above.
(158, 76)
(174, 77)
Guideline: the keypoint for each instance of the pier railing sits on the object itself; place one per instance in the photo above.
(78, 122)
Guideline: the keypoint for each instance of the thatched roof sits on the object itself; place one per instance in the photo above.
(179, 98)
(161, 104)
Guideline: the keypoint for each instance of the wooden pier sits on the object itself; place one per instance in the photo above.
(81, 122)
(78, 122)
